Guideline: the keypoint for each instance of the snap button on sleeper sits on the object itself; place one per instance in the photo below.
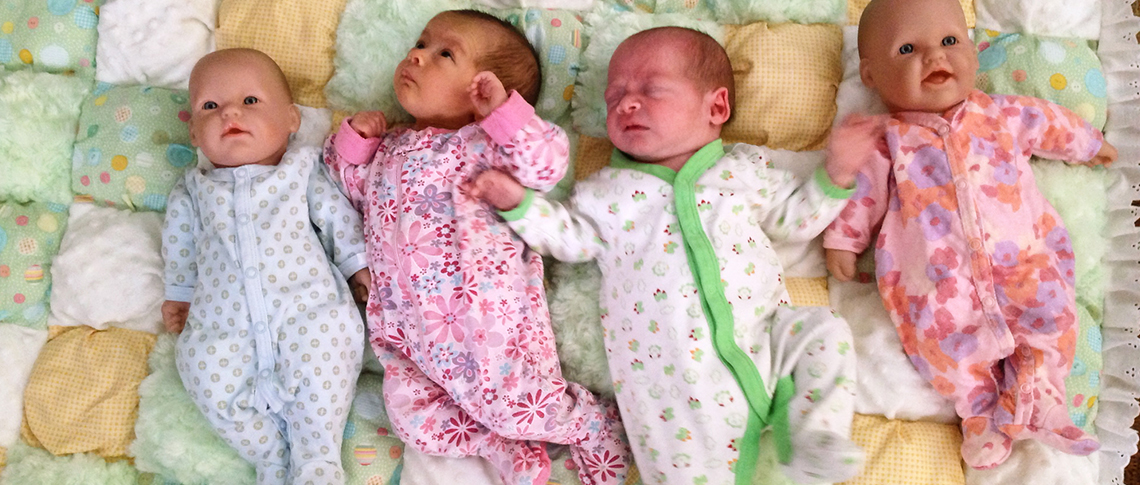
(943, 130)
(264, 373)
(250, 273)
(244, 218)
(1026, 388)
(260, 327)
(975, 244)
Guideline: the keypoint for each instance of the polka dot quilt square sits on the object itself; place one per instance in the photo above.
(133, 145)
(29, 236)
(49, 35)
(1065, 71)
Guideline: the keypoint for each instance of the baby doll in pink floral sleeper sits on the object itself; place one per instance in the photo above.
(974, 266)
(457, 311)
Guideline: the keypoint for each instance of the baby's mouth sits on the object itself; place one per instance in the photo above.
(938, 77)
(233, 131)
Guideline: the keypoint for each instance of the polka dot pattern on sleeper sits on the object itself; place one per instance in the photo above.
(274, 343)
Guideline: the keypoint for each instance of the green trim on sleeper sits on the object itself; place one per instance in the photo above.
(829, 188)
(705, 267)
(519, 211)
(781, 428)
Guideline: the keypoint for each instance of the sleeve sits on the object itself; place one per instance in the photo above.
(347, 155)
(796, 210)
(535, 152)
(556, 229)
(179, 233)
(1053, 131)
(865, 210)
(338, 224)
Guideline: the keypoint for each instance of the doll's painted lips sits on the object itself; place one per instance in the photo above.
(937, 77)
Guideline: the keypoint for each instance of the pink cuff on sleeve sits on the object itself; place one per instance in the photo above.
(353, 148)
(506, 120)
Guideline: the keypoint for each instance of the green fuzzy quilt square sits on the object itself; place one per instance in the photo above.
(133, 145)
(29, 238)
(38, 116)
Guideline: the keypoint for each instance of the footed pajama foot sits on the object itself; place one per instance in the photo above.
(983, 445)
(821, 456)
(518, 462)
(1057, 431)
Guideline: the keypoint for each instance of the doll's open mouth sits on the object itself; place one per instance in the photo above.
(937, 77)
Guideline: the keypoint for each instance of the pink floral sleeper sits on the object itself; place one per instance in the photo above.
(974, 265)
(457, 310)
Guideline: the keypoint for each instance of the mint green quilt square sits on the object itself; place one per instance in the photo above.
(1062, 70)
(49, 35)
(29, 238)
(133, 145)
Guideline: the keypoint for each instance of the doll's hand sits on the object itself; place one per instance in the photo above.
(174, 314)
(487, 93)
(360, 282)
(850, 146)
(1105, 156)
(841, 263)
(500, 190)
(369, 124)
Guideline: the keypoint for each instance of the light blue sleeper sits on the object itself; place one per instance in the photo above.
(273, 344)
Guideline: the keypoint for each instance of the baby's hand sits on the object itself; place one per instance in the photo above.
(487, 93)
(369, 124)
(849, 147)
(1105, 156)
(499, 189)
(360, 282)
(841, 263)
(174, 314)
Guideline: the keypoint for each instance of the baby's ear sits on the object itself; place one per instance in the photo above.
(865, 73)
(719, 108)
(294, 119)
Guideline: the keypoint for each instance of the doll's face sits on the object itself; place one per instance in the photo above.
(655, 111)
(241, 111)
(917, 54)
(431, 82)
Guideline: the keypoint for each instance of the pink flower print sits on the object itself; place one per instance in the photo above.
(389, 211)
(510, 382)
(446, 318)
(929, 168)
(435, 395)
(446, 231)
(485, 331)
(1031, 117)
(532, 407)
(489, 396)
(415, 246)
(459, 429)
(429, 424)
(605, 466)
(468, 290)
(934, 221)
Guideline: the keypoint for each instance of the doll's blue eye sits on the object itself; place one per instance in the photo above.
(949, 40)
(209, 105)
(906, 49)
(250, 100)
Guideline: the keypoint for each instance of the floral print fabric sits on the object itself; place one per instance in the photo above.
(973, 263)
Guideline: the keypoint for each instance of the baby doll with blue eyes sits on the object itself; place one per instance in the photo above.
(258, 249)
(973, 265)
